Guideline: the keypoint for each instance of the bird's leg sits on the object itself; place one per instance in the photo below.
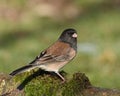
(63, 79)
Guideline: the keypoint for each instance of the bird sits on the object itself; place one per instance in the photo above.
(55, 57)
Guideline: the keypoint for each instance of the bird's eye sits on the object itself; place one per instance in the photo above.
(70, 33)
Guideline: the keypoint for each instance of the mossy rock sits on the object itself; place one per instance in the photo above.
(41, 83)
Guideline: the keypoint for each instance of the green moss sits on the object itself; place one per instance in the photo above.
(76, 85)
(42, 86)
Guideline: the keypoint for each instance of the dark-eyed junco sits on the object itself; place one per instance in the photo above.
(56, 56)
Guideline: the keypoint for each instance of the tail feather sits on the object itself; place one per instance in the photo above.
(22, 69)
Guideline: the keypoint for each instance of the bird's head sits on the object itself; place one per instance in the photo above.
(69, 36)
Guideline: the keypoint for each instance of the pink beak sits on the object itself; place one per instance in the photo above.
(74, 35)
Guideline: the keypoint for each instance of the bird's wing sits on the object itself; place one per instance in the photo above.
(56, 53)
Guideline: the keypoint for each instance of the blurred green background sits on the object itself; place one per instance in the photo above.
(29, 26)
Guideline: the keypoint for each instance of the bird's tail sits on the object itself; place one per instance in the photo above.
(22, 69)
